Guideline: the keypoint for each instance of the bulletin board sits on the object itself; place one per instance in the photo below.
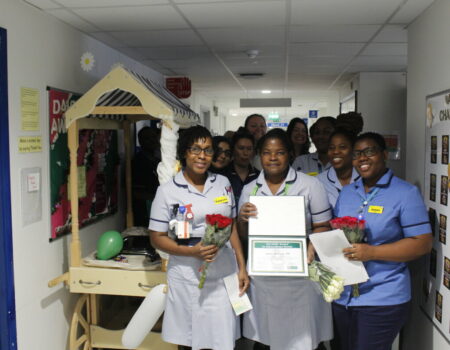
(98, 165)
(436, 282)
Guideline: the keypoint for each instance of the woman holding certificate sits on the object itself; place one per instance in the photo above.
(197, 318)
(397, 231)
(289, 313)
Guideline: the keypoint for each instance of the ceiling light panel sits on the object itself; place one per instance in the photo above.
(249, 14)
(159, 38)
(133, 18)
(109, 3)
(341, 12)
(73, 20)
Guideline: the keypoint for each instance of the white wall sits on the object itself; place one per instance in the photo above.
(428, 72)
(45, 52)
(382, 102)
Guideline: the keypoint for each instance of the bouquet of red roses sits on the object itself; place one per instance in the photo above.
(354, 231)
(218, 232)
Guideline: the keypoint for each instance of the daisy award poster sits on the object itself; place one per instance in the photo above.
(435, 293)
(98, 169)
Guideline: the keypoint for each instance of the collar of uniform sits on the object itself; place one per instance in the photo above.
(383, 182)
(180, 181)
(291, 177)
(251, 170)
(315, 156)
(332, 176)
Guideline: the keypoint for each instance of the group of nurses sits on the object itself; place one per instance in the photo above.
(197, 318)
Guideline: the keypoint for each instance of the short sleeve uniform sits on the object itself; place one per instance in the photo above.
(400, 213)
(289, 312)
(332, 185)
(199, 318)
(310, 164)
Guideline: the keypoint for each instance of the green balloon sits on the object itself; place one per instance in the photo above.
(109, 245)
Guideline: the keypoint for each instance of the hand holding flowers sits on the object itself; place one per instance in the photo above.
(330, 284)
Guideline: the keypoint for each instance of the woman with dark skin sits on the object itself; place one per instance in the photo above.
(397, 230)
(297, 131)
(317, 162)
(288, 312)
(341, 172)
(193, 317)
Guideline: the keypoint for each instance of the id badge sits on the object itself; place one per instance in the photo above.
(182, 229)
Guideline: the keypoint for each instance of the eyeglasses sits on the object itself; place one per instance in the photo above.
(367, 152)
(227, 153)
(197, 150)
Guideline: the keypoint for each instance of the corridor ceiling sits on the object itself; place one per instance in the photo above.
(302, 45)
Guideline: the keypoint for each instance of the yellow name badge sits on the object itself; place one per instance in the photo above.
(375, 209)
(220, 200)
(313, 173)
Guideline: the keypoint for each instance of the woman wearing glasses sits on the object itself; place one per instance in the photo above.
(397, 231)
(342, 171)
(197, 318)
(288, 312)
(222, 154)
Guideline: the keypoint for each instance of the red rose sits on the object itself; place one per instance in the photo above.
(223, 222)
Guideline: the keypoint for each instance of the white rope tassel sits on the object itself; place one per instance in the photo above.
(169, 136)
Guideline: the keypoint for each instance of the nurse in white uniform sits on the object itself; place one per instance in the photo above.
(289, 313)
(342, 171)
(197, 318)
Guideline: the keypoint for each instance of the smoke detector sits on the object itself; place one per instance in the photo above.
(252, 53)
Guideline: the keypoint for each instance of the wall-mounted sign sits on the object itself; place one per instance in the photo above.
(313, 113)
(179, 86)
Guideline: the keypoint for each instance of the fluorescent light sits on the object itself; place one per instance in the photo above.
(266, 91)
(234, 114)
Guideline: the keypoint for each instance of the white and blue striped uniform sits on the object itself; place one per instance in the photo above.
(332, 185)
(200, 318)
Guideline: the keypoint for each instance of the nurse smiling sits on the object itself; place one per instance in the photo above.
(197, 318)
(397, 231)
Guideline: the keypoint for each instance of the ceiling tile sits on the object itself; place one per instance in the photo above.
(43, 4)
(73, 20)
(240, 52)
(334, 33)
(155, 38)
(411, 10)
(253, 37)
(381, 60)
(392, 34)
(238, 14)
(325, 49)
(381, 49)
(164, 53)
(341, 12)
(108, 39)
(258, 63)
(133, 18)
(109, 3)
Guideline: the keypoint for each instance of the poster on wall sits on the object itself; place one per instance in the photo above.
(98, 163)
(436, 283)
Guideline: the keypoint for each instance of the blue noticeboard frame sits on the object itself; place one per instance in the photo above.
(8, 336)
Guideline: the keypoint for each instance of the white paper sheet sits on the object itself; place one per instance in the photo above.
(240, 304)
(329, 246)
(278, 216)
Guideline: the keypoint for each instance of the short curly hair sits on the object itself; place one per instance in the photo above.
(187, 139)
(375, 137)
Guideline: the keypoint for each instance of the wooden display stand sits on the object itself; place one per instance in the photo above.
(147, 102)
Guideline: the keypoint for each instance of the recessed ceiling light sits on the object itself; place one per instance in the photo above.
(266, 91)
(234, 114)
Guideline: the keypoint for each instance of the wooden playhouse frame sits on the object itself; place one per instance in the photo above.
(121, 98)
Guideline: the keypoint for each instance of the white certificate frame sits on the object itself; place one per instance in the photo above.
(261, 262)
(278, 216)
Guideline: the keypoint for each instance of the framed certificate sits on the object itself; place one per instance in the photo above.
(277, 256)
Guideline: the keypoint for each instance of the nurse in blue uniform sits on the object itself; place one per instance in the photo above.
(197, 318)
(342, 171)
(289, 313)
(397, 231)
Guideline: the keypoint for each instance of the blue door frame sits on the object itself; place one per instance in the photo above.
(8, 337)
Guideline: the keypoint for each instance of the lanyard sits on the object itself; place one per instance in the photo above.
(365, 201)
(285, 190)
